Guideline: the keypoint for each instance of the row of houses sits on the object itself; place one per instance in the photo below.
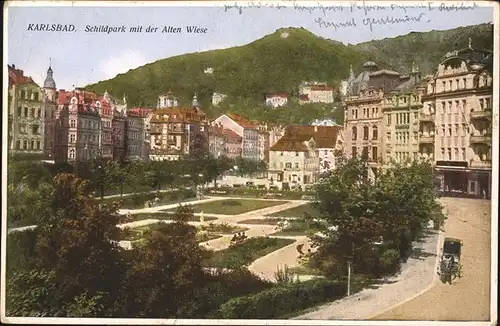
(444, 118)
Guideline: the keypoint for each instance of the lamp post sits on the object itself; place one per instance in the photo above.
(101, 181)
(348, 278)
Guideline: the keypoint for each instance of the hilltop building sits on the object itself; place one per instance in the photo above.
(167, 101)
(276, 99)
(315, 92)
(325, 122)
(457, 120)
(217, 98)
(26, 114)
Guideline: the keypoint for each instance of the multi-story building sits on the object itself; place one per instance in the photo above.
(217, 98)
(263, 135)
(216, 140)
(234, 143)
(246, 130)
(177, 132)
(135, 140)
(167, 100)
(293, 161)
(26, 114)
(401, 110)
(275, 134)
(276, 99)
(363, 112)
(315, 93)
(119, 124)
(77, 126)
(107, 136)
(329, 143)
(456, 116)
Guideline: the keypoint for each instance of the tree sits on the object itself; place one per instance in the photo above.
(165, 271)
(361, 217)
(76, 267)
(213, 167)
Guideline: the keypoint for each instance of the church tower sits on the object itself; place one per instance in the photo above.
(49, 86)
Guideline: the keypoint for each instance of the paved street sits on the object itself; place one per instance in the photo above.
(467, 298)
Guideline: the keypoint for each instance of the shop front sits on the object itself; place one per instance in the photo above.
(455, 179)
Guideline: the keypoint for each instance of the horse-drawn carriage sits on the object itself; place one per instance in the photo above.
(450, 266)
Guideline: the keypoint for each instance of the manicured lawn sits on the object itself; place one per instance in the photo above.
(202, 237)
(166, 216)
(136, 201)
(299, 211)
(262, 221)
(234, 206)
(245, 253)
(295, 228)
(137, 234)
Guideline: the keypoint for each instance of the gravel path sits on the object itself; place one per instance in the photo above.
(467, 298)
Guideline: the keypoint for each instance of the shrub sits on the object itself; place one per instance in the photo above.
(389, 261)
(285, 276)
(283, 300)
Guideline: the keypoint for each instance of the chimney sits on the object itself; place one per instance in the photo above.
(13, 66)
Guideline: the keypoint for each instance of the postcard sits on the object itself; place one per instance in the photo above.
(250, 162)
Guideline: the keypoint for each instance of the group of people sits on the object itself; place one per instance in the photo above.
(150, 203)
(239, 237)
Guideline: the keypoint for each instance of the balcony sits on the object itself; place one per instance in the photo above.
(427, 117)
(426, 139)
(483, 139)
(480, 164)
(476, 115)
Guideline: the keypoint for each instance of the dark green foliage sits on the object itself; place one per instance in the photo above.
(275, 64)
(280, 301)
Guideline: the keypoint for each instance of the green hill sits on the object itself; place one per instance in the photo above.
(426, 49)
(276, 63)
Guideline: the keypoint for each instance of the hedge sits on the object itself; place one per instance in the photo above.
(283, 300)
(138, 200)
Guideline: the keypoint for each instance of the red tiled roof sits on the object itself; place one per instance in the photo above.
(140, 112)
(17, 77)
(178, 114)
(289, 143)
(228, 133)
(321, 88)
(241, 120)
(324, 136)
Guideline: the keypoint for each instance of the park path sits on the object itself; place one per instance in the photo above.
(416, 275)
(266, 266)
(467, 298)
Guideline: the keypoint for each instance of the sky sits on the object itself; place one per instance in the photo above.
(79, 58)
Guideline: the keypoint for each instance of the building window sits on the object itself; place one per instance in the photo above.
(374, 154)
(38, 145)
(281, 154)
(389, 119)
(23, 94)
(25, 144)
(18, 144)
(365, 133)
(72, 138)
(354, 133)
(296, 153)
(374, 132)
(353, 151)
(26, 111)
(35, 129)
(33, 112)
(465, 82)
(365, 152)
(296, 165)
(19, 111)
(288, 165)
(72, 153)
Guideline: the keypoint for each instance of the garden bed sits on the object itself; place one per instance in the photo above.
(245, 253)
(294, 228)
(233, 206)
(257, 193)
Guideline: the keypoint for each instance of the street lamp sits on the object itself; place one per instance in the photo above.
(101, 181)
